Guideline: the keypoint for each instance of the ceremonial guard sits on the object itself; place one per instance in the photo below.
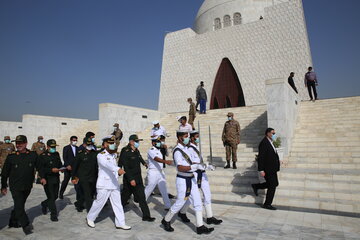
(19, 168)
(201, 178)
(155, 174)
(130, 160)
(231, 139)
(85, 172)
(49, 167)
(5, 149)
(107, 185)
(186, 185)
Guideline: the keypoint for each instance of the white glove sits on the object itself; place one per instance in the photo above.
(210, 167)
(201, 167)
(194, 167)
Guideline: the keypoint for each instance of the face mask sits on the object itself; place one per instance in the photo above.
(7, 141)
(158, 144)
(93, 140)
(112, 146)
(156, 128)
(229, 118)
(52, 150)
(186, 141)
(74, 143)
(136, 145)
(41, 140)
(197, 140)
(274, 137)
(162, 143)
(115, 128)
(89, 148)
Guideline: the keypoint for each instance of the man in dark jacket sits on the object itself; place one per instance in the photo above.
(268, 166)
(130, 160)
(69, 154)
(291, 82)
(85, 172)
(50, 165)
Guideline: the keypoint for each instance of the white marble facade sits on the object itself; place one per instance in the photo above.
(258, 50)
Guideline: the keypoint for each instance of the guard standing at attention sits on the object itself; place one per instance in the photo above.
(231, 138)
(19, 168)
(130, 160)
(85, 172)
(50, 165)
(5, 149)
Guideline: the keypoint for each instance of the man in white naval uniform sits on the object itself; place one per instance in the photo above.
(155, 174)
(184, 126)
(157, 130)
(185, 185)
(202, 181)
(107, 185)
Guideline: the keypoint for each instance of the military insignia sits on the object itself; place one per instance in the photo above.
(102, 152)
(49, 154)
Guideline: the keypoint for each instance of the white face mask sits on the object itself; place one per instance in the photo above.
(74, 143)
(41, 140)
(115, 128)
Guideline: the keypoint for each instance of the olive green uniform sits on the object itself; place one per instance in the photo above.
(19, 168)
(231, 138)
(130, 161)
(38, 147)
(5, 150)
(118, 136)
(85, 168)
(48, 161)
(192, 113)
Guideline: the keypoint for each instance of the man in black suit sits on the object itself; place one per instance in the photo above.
(69, 153)
(268, 166)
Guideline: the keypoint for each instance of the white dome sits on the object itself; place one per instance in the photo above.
(250, 10)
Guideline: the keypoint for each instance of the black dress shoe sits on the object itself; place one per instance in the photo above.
(204, 230)
(269, 207)
(43, 209)
(255, 189)
(167, 226)
(61, 196)
(148, 219)
(28, 229)
(54, 218)
(183, 217)
(213, 220)
(14, 224)
(79, 209)
(227, 166)
(234, 166)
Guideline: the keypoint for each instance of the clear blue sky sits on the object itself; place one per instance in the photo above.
(64, 57)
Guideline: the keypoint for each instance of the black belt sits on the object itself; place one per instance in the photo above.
(188, 185)
(199, 177)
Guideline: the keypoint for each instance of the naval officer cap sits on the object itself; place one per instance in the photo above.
(109, 139)
(155, 122)
(193, 133)
(181, 132)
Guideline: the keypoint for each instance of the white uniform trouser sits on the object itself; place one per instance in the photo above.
(157, 178)
(101, 198)
(205, 189)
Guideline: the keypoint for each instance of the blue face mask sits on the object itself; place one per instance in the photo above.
(156, 128)
(93, 140)
(186, 141)
(229, 118)
(7, 141)
(112, 147)
(197, 140)
(274, 137)
(52, 150)
(136, 145)
(158, 144)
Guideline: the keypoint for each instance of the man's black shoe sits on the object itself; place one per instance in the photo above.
(14, 224)
(213, 220)
(171, 196)
(167, 226)
(54, 218)
(61, 195)
(148, 219)
(234, 166)
(183, 217)
(43, 209)
(27, 229)
(269, 207)
(255, 189)
(204, 230)
(79, 209)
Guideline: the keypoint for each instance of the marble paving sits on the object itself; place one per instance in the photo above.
(250, 222)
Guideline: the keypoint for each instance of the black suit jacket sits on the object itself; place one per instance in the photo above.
(68, 155)
(268, 159)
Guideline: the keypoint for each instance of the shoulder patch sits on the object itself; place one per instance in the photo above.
(103, 152)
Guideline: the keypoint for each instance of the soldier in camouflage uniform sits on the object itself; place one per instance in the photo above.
(231, 138)
(39, 147)
(192, 112)
(5, 149)
(117, 133)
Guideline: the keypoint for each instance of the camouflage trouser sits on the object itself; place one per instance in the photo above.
(191, 120)
(2, 161)
(231, 149)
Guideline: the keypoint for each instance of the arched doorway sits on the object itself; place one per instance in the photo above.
(227, 91)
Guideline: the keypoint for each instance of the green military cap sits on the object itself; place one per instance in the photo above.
(21, 138)
(51, 143)
(135, 138)
(7, 138)
(88, 141)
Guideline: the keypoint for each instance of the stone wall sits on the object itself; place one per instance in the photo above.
(261, 50)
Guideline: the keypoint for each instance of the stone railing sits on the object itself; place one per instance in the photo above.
(282, 110)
